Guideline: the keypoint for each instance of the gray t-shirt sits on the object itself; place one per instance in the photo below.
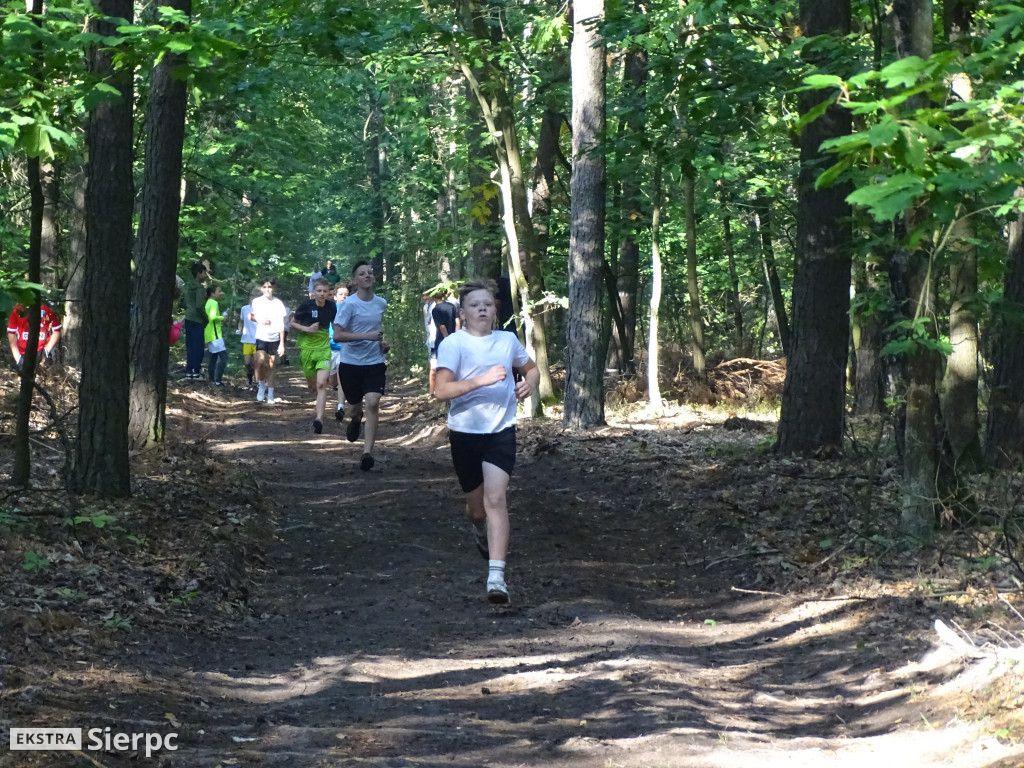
(358, 316)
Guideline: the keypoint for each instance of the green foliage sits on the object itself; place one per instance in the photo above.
(911, 335)
(35, 562)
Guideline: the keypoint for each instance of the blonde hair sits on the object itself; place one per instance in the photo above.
(477, 284)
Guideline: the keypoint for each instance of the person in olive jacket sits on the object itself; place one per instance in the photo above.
(195, 322)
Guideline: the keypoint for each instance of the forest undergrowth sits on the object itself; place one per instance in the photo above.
(185, 552)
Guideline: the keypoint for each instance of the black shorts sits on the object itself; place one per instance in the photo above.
(357, 380)
(471, 450)
(270, 347)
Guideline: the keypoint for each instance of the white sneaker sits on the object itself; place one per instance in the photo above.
(261, 393)
(497, 591)
(270, 397)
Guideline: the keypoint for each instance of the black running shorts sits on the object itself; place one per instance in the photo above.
(470, 451)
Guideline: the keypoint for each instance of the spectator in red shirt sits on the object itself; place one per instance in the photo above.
(17, 331)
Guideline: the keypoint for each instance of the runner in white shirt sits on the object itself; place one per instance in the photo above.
(475, 375)
(268, 313)
(362, 370)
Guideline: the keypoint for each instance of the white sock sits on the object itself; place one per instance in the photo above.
(270, 391)
(495, 570)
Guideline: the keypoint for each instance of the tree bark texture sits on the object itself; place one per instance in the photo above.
(157, 251)
(1004, 443)
(813, 397)
(696, 316)
(913, 31)
(867, 344)
(71, 325)
(101, 454)
(959, 398)
(584, 395)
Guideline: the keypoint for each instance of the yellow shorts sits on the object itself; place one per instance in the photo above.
(248, 349)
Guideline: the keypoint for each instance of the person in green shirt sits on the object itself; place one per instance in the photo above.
(214, 336)
(312, 319)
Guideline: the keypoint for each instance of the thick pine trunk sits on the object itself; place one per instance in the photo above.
(813, 397)
(157, 255)
(101, 455)
(1004, 444)
(584, 393)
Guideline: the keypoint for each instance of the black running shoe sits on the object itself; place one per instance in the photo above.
(339, 414)
(352, 432)
(318, 426)
(367, 462)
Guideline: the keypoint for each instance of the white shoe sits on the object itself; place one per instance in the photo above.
(497, 591)
(261, 393)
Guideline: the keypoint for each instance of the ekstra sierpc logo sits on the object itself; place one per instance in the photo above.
(102, 739)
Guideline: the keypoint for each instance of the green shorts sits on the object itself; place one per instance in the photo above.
(313, 360)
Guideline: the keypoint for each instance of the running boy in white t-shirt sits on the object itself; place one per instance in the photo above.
(362, 368)
(268, 313)
(475, 374)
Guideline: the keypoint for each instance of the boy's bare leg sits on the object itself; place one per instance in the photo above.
(371, 411)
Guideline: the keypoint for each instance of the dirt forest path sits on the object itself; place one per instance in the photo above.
(373, 645)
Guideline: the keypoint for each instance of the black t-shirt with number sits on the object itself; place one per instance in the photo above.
(308, 312)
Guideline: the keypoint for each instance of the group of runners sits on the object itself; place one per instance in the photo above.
(479, 371)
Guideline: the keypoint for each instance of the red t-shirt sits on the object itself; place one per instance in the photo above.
(18, 323)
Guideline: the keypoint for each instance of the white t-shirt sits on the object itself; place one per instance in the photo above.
(358, 316)
(428, 322)
(248, 326)
(488, 409)
(272, 310)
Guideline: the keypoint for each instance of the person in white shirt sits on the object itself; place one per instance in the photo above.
(268, 314)
(247, 330)
(362, 370)
(476, 372)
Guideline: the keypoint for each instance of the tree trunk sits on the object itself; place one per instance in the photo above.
(913, 35)
(742, 346)
(867, 337)
(813, 397)
(49, 246)
(71, 325)
(22, 470)
(490, 89)
(633, 220)
(763, 222)
(692, 285)
(101, 455)
(1004, 443)
(374, 159)
(584, 391)
(960, 382)
(653, 384)
(157, 255)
